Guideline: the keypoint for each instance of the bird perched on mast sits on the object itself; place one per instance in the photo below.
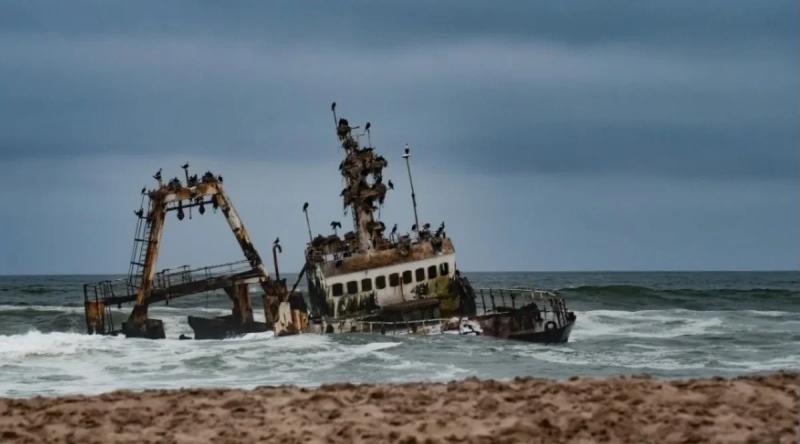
(185, 167)
(334, 225)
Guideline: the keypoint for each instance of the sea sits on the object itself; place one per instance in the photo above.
(665, 324)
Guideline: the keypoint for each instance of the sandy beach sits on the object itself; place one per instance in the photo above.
(619, 409)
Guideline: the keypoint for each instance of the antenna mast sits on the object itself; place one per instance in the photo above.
(406, 156)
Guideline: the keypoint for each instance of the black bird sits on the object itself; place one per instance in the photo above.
(394, 229)
(426, 227)
(185, 166)
(390, 184)
(144, 190)
(440, 230)
(367, 126)
(334, 225)
(305, 205)
(157, 175)
(333, 106)
(414, 227)
(219, 178)
(139, 212)
(276, 241)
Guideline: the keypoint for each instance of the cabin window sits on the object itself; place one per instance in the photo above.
(366, 284)
(352, 287)
(338, 289)
(407, 277)
(394, 280)
(432, 272)
(444, 269)
(380, 282)
(420, 274)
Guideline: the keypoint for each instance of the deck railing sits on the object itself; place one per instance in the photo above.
(500, 300)
(126, 287)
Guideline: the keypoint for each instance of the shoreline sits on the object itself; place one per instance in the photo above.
(754, 408)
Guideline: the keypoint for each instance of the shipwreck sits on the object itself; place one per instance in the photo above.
(362, 281)
(144, 286)
(368, 281)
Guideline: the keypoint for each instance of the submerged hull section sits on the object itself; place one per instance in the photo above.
(516, 314)
(474, 326)
(555, 336)
(223, 327)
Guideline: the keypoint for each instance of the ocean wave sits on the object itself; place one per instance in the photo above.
(650, 360)
(637, 297)
(645, 323)
(53, 344)
(54, 308)
(774, 364)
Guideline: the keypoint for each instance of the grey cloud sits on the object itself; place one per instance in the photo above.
(728, 24)
(677, 89)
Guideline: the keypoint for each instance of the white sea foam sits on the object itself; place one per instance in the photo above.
(644, 324)
(37, 344)
(787, 362)
(58, 308)
(603, 341)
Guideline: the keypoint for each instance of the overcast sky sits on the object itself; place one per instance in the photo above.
(568, 135)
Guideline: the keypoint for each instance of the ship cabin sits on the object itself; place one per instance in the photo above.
(402, 275)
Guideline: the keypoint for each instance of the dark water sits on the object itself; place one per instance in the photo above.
(666, 324)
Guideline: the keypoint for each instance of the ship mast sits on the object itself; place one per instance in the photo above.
(406, 156)
(363, 173)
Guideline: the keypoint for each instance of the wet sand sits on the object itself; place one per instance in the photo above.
(761, 409)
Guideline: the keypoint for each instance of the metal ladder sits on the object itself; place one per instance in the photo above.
(141, 241)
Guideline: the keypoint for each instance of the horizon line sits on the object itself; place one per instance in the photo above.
(3, 275)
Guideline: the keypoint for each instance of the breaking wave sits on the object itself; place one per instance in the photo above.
(637, 297)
